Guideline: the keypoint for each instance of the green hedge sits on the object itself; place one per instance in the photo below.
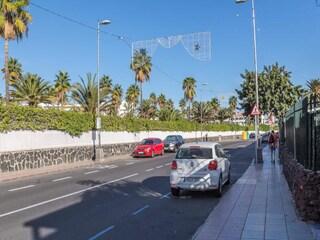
(37, 119)
(75, 123)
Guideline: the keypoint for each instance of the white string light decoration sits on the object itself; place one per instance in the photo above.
(198, 45)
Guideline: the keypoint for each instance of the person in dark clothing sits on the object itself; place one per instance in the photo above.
(272, 144)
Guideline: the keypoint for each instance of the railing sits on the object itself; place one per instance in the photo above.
(301, 131)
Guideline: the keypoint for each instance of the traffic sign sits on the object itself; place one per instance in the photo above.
(255, 110)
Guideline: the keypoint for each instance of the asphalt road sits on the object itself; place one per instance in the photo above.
(125, 199)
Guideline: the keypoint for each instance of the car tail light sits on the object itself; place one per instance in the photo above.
(213, 165)
(174, 165)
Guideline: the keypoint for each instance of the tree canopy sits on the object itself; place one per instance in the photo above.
(276, 91)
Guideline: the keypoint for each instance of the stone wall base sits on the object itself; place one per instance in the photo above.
(305, 187)
(21, 160)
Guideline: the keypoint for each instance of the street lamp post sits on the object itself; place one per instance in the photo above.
(203, 84)
(99, 153)
(258, 148)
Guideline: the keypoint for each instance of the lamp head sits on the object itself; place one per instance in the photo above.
(240, 1)
(104, 22)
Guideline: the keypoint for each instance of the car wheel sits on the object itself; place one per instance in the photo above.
(175, 192)
(152, 154)
(218, 191)
(162, 152)
(229, 177)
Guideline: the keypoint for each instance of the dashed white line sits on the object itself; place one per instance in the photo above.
(130, 163)
(112, 166)
(17, 189)
(166, 195)
(65, 196)
(61, 179)
(148, 170)
(140, 210)
(168, 164)
(160, 166)
(101, 233)
(91, 172)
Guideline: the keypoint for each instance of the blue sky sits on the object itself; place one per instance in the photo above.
(288, 33)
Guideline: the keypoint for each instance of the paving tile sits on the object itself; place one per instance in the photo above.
(229, 238)
(257, 227)
(253, 234)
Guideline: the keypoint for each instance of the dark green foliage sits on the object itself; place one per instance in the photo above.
(15, 118)
(37, 119)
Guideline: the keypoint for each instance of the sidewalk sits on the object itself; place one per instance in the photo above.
(258, 206)
(15, 175)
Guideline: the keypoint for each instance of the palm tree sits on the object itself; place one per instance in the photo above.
(153, 101)
(314, 85)
(13, 25)
(62, 87)
(182, 105)
(170, 115)
(132, 95)
(170, 104)
(202, 113)
(145, 108)
(189, 85)
(223, 114)
(162, 101)
(232, 105)
(141, 65)
(86, 94)
(116, 99)
(15, 70)
(31, 89)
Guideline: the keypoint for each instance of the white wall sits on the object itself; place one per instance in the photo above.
(28, 140)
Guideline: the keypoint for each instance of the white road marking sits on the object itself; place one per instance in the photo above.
(140, 210)
(91, 172)
(65, 196)
(112, 166)
(130, 163)
(151, 169)
(107, 166)
(168, 164)
(101, 233)
(166, 195)
(160, 166)
(60, 179)
(17, 189)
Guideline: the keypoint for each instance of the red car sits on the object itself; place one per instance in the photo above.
(149, 147)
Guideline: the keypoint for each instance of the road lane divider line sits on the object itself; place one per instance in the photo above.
(101, 233)
(112, 166)
(160, 166)
(168, 164)
(166, 195)
(61, 179)
(91, 172)
(140, 210)
(65, 196)
(17, 189)
(151, 169)
(130, 163)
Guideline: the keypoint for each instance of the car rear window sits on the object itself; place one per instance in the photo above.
(170, 138)
(146, 142)
(194, 153)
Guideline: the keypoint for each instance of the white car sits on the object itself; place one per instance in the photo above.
(200, 166)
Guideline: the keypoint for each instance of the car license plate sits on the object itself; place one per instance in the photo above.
(140, 152)
(192, 179)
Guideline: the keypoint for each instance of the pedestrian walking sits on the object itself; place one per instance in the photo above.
(272, 144)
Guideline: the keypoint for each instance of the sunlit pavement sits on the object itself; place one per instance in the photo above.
(258, 206)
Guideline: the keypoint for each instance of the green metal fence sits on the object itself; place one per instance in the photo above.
(301, 131)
